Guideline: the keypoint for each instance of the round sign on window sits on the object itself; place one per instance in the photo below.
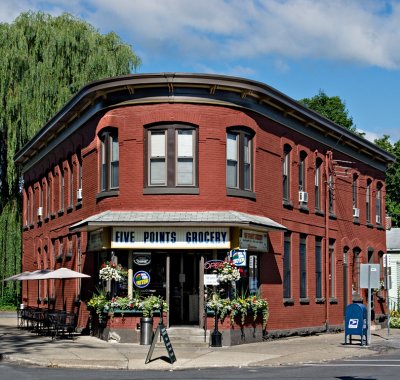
(141, 279)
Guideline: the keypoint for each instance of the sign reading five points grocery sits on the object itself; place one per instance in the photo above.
(170, 237)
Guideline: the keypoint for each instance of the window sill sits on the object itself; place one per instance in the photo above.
(70, 209)
(332, 216)
(287, 204)
(46, 219)
(31, 225)
(59, 258)
(304, 301)
(303, 208)
(39, 223)
(107, 194)
(356, 221)
(370, 225)
(319, 212)
(288, 301)
(60, 212)
(78, 205)
(241, 193)
(171, 190)
(333, 300)
(52, 216)
(25, 228)
(320, 300)
(380, 227)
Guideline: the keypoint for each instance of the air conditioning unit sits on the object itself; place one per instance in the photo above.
(356, 212)
(378, 219)
(303, 196)
(79, 194)
(40, 211)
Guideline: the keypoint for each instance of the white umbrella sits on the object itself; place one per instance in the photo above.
(63, 274)
(16, 276)
(35, 275)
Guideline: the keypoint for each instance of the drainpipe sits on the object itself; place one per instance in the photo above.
(328, 158)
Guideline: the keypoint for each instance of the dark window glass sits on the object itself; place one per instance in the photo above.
(109, 160)
(287, 292)
(303, 265)
(318, 267)
(286, 172)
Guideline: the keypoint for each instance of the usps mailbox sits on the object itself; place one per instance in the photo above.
(356, 322)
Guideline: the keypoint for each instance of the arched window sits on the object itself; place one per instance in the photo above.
(317, 184)
(378, 199)
(368, 201)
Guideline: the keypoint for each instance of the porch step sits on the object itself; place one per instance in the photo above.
(184, 336)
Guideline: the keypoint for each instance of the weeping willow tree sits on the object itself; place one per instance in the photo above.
(44, 60)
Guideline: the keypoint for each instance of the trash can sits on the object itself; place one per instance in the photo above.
(356, 322)
(146, 330)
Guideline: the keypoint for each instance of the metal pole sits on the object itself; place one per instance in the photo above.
(386, 269)
(369, 306)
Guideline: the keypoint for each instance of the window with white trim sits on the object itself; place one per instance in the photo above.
(109, 160)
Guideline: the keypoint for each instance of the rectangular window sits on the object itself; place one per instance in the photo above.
(355, 191)
(378, 208)
(184, 165)
(287, 291)
(109, 160)
(302, 171)
(71, 184)
(286, 174)
(79, 173)
(114, 162)
(239, 158)
(368, 202)
(62, 189)
(331, 195)
(317, 185)
(49, 195)
(232, 148)
(303, 265)
(332, 267)
(158, 160)
(27, 207)
(318, 267)
(172, 158)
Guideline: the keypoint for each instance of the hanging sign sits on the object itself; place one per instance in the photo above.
(142, 259)
(141, 279)
(254, 241)
(238, 257)
(211, 279)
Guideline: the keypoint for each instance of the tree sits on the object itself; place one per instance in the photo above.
(44, 60)
(392, 179)
(333, 108)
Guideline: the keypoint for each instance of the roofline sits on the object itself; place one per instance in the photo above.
(92, 92)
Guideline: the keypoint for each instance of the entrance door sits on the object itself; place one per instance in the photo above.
(184, 289)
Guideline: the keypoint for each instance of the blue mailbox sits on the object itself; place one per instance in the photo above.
(356, 322)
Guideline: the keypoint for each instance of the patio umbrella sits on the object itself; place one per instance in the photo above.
(63, 274)
(16, 276)
(35, 275)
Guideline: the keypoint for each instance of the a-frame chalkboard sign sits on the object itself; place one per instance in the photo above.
(163, 331)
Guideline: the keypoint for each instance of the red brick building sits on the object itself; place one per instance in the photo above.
(173, 170)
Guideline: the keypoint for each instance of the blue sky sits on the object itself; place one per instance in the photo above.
(348, 48)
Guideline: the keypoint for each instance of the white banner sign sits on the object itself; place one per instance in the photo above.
(211, 279)
(170, 237)
(254, 241)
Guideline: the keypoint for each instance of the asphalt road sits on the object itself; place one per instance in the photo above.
(382, 367)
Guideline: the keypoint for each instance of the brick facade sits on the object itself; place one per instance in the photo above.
(42, 235)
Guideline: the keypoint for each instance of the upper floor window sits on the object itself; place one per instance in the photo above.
(355, 190)
(171, 158)
(239, 160)
(368, 201)
(286, 172)
(302, 171)
(62, 188)
(317, 184)
(378, 208)
(71, 183)
(331, 196)
(109, 159)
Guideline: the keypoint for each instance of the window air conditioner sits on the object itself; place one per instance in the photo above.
(40, 211)
(378, 219)
(303, 196)
(79, 194)
(356, 212)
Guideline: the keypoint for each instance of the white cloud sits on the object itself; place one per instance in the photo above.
(361, 31)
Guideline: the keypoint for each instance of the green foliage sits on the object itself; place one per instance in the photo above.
(44, 60)
(395, 319)
(392, 179)
(333, 108)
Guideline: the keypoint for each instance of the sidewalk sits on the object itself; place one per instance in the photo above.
(18, 345)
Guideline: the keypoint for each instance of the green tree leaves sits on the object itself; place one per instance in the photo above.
(44, 60)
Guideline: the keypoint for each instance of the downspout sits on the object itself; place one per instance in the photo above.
(327, 166)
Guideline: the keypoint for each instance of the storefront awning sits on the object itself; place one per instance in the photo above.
(190, 218)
